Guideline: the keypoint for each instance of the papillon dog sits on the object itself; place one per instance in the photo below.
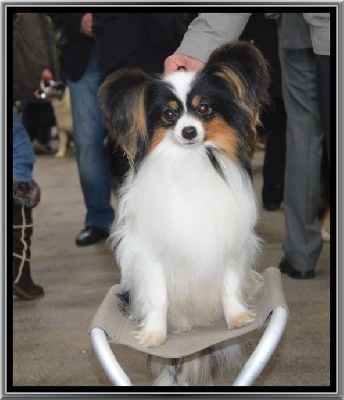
(184, 232)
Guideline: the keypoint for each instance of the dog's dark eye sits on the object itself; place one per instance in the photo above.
(169, 115)
(203, 108)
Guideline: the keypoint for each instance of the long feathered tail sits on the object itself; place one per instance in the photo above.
(199, 369)
(202, 368)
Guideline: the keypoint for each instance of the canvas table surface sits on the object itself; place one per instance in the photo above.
(119, 328)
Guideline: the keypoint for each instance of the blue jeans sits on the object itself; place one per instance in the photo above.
(23, 155)
(89, 135)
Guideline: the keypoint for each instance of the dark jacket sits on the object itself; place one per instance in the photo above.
(33, 50)
(75, 47)
(141, 40)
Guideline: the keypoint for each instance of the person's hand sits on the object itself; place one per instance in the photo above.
(46, 75)
(86, 24)
(19, 16)
(179, 60)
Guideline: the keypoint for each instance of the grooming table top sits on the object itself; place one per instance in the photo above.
(119, 329)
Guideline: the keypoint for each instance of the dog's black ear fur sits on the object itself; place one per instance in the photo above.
(242, 61)
(242, 67)
(241, 64)
(121, 99)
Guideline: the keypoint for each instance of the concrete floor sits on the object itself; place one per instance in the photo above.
(51, 347)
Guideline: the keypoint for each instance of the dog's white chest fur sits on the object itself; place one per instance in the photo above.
(181, 203)
(179, 213)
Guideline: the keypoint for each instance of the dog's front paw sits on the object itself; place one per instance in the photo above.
(150, 338)
(242, 319)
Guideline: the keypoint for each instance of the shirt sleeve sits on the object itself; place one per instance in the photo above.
(319, 25)
(209, 31)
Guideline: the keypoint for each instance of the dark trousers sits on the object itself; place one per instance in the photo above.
(274, 162)
(323, 96)
(38, 118)
(304, 134)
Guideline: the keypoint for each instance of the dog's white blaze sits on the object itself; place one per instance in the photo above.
(181, 82)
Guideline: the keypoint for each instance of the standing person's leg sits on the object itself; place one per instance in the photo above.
(39, 119)
(26, 195)
(303, 242)
(274, 161)
(89, 135)
(323, 96)
(23, 285)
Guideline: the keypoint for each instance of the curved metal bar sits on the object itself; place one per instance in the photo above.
(264, 349)
(107, 359)
(247, 376)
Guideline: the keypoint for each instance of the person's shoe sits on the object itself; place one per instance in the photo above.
(90, 235)
(286, 268)
(30, 291)
(271, 206)
(40, 148)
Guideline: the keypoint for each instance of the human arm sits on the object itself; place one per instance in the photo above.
(74, 23)
(319, 25)
(206, 32)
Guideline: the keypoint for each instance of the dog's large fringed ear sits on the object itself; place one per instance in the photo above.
(242, 66)
(121, 100)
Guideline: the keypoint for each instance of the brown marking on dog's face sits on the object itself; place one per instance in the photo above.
(170, 113)
(173, 104)
(223, 135)
(250, 106)
(196, 101)
(158, 136)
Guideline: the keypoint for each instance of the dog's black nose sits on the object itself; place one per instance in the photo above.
(189, 132)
